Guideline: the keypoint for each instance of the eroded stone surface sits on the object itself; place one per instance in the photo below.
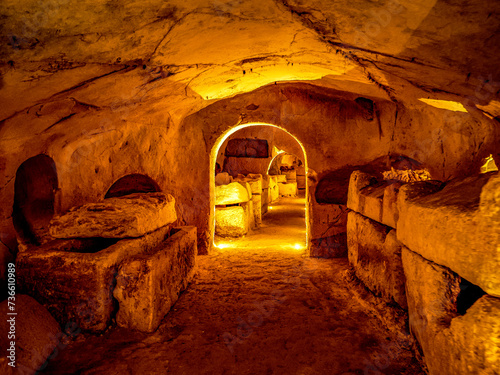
(328, 219)
(148, 285)
(457, 227)
(251, 148)
(257, 209)
(375, 254)
(231, 221)
(451, 344)
(232, 193)
(131, 215)
(51, 274)
(374, 199)
(37, 334)
(287, 189)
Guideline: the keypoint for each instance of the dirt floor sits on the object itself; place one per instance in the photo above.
(259, 305)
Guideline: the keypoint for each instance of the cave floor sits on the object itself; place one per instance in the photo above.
(258, 305)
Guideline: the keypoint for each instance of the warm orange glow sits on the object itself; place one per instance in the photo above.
(444, 104)
(209, 85)
(489, 165)
(222, 245)
(275, 156)
(213, 157)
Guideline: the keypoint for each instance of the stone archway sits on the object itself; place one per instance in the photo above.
(215, 154)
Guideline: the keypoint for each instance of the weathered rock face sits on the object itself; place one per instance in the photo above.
(451, 344)
(374, 199)
(127, 216)
(375, 254)
(288, 189)
(231, 221)
(232, 193)
(457, 227)
(37, 334)
(51, 274)
(148, 285)
(247, 148)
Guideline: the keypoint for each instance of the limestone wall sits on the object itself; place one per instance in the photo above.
(113, 123)
(433, 248)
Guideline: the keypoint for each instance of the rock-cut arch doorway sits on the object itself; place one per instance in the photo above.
(248, 210)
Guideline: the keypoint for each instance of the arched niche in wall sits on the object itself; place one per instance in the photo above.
(34, 198)
(132, 183)
(283, 160)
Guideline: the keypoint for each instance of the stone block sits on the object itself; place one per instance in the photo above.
(265, 181)
(36, 334)
(457, 227)
(265, 200)
(327, 219)
(290, 175)
(247, 147)
(256, 183)
(244, 183)
(375, 254)
(249, 212)
(358, 181)
(245, 166)
(287, 189)
(127, 216)
(148, 285)
(452, 344)
(301, 182)
(329, 247)
(257, 209)
(74, 279)
(274, 192)
(390, 213)
(280, 178)
(231, 221)
(232, 193)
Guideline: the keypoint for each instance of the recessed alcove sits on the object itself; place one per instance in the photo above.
(34, 198)
(132, 183)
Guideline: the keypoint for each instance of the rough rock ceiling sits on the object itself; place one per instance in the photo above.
(393, 49)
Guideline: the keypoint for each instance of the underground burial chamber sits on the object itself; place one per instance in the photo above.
(92, 91)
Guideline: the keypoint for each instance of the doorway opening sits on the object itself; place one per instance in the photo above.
(258, 190)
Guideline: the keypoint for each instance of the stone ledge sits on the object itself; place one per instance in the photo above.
(131, 215)
(452, 344)
(457, 227)
(375, 254)
(148, 285)
(374, 199)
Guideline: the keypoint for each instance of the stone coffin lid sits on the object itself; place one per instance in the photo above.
(232, 193)
(255, 181)
(131, 215)
(457, 227)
